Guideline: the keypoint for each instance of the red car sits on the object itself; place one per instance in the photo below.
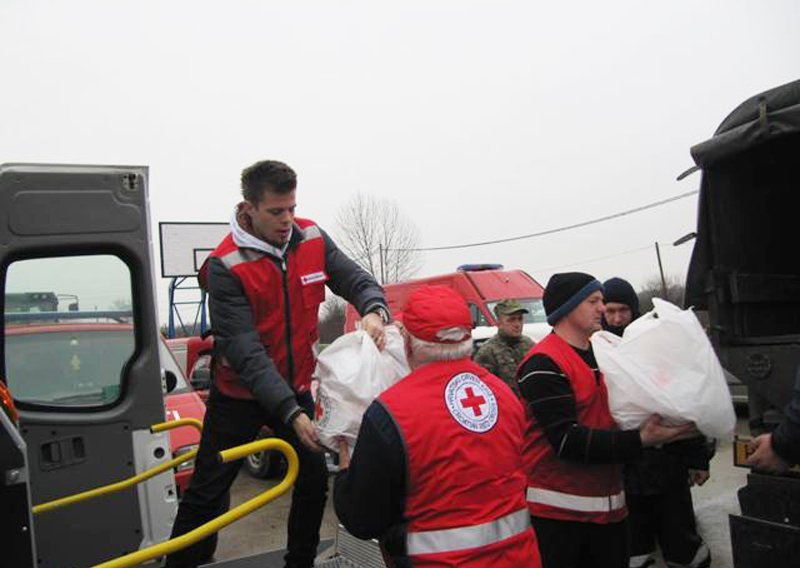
(90, 354)
(194, 355)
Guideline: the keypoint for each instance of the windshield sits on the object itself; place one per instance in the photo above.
(68, 368)
(75, 368)
(534, 306)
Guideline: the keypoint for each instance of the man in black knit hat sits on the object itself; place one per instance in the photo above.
(622, 305)
(573, 449)
(657, 484)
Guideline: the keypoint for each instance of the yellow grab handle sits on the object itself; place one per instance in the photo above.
(131, 481)
(172, 424)
(206, 530)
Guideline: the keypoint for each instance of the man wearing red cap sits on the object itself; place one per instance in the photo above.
(437, 471)
(573, 449)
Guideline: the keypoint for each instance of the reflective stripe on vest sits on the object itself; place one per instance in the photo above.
(460, 538)
(239, 256)
(312, 232)
(571, 502)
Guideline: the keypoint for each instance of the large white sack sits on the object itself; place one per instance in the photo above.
(664, 364)
(352, 373)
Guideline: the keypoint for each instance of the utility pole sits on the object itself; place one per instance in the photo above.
(661, 271)
(380, 259)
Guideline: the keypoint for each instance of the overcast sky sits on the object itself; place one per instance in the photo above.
(482, 120)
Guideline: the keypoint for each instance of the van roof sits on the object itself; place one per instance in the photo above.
(488, 285)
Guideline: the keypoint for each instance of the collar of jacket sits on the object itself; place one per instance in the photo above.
(243, 239)
(508, 339)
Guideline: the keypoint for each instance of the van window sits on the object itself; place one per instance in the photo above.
(68, 330)
(168, 363)
(534, 306)
(478, 319)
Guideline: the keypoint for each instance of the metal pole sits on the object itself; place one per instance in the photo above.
(661, 271)
(380, 259)
(171, 321)
(203, 319)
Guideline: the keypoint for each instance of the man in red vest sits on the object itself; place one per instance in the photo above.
(573, 449)
(437, 470)
(265, 283)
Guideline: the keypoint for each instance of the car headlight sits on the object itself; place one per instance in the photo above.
(183, 450)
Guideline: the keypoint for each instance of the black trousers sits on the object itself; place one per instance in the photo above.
(667, 519)
(230, 422)
(570, 544)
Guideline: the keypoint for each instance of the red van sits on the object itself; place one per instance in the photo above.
(92, 350)
(482, 286)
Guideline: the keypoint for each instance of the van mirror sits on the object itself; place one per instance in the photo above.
(168, 380)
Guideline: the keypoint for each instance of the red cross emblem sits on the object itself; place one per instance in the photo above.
(472, 401)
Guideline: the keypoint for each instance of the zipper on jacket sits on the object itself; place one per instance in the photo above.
(288, 320)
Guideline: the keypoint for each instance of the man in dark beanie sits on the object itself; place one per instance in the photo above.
(573, 449)
(622, 305)
(657, 484)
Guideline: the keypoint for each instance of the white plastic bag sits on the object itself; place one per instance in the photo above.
(351, 373)
(664, 364)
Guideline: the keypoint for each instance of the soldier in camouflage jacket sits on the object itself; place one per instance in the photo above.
(502, 354)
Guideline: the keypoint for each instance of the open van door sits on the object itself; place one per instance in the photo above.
(85, 403)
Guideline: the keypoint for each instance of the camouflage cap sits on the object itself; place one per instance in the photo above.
(508, 307)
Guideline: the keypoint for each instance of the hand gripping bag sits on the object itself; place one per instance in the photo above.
(352, 373)
(664, 364)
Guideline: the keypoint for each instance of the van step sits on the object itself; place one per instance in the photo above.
(354, 552)
(272, 559)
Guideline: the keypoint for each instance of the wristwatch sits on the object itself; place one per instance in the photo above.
(386, 317)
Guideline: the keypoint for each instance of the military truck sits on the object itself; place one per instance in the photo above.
(746, 272)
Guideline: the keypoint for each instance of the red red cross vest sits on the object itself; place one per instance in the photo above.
(465, 504)
(289, 334)
(560, 489)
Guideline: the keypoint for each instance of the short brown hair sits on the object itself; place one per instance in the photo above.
(267, 175)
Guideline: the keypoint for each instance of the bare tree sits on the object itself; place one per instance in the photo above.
(331, 319)
(379, 237)
(121, 304)
(654, 289)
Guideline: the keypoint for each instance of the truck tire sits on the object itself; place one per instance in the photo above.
(265, 465)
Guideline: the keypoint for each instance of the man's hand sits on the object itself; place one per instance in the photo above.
(305, 430)
(764, 457)
(344, 455)
(698, 477)
(653, 432)
(372, 323)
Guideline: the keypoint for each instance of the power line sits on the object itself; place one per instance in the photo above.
(559, 229)
(581, 262)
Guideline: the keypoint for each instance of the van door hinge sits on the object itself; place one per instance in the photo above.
(130, 182)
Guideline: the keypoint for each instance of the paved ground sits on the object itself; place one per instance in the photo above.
(715, 500)
(265, 529)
